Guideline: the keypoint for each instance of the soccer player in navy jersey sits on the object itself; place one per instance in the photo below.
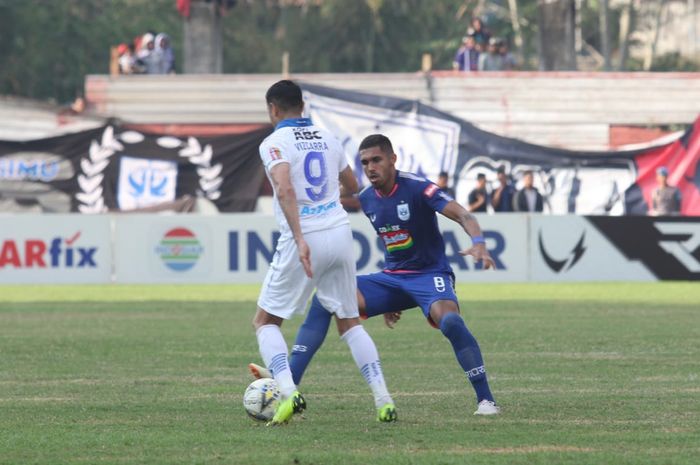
(401, 207)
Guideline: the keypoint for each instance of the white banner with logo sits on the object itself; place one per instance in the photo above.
(237, 248)
(52, 249)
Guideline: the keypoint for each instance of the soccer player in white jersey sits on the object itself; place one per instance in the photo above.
(305, 165)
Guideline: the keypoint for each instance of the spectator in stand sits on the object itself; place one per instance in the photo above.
(467, 57)
(528, 199)
(509, 63)
(492, 60)
(666, 199)
(127, 59)
(478, 197)
(167, 56)
(480, 34)
(502, 198)
(442, 181)
(151, 58)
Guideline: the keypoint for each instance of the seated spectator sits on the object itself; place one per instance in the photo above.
(467, 57)
(666, 199)
(163, 47)
(502, 198)
(442, 181)
(478, 197)
(528, 199)
(492, 60)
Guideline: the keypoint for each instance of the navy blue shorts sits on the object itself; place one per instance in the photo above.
(388, 292)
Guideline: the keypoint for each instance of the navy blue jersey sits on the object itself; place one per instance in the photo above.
(407, 224)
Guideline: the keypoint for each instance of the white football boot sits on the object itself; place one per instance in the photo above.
(487, 407)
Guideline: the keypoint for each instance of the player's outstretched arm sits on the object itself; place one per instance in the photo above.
(458, 214)
(287, 199)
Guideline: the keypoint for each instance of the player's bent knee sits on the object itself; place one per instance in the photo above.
(346, 324)
(262, 318)
(450, 320)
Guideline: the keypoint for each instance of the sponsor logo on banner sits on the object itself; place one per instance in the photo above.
(34, 166)
(144, 182)
(58, 252)
(566, 263)
(682, 249)
(668, 247)
(179, 249)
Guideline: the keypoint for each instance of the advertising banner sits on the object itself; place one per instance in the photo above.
(49, 249)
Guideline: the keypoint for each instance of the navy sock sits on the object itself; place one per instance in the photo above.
(468, 354)
(309, 338)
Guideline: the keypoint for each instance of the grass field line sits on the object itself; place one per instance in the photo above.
(517, 449)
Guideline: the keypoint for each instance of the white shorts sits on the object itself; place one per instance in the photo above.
(286, 289)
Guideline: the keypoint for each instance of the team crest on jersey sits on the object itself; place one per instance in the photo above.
(275, 153)
(403, 211)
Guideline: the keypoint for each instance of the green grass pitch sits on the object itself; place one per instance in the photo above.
(585, 373)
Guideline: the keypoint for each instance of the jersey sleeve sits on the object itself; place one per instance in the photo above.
(433, 196)
(272, 153)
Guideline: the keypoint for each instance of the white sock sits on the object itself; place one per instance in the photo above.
(273, 350)
(367, 359)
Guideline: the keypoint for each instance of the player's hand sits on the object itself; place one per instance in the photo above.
(305, 257)
(390, 319)
(480, 254)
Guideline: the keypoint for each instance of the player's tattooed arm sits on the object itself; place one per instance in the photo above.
(461, 216)
(287, 199)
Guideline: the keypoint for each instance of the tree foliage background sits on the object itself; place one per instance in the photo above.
(50, 45)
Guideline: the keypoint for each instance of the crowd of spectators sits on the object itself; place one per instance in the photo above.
(149, 53)
(482, 52)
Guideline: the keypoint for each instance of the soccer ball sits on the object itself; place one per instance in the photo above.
(261, 398)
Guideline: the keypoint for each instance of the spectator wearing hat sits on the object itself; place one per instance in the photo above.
(479, 197)
(666, 199)
(528, 199)
(492, 60)
(502, 198)
(467, 57)
(127, 59)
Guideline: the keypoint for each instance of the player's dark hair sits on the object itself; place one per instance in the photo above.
(286, 95)
(481, 176)
(526, 172)
(377, 140)
(443, 174)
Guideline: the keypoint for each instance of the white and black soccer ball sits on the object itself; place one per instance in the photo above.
(260, 399)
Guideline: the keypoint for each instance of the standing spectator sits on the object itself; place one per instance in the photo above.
(167, 56)
(478, 197)
(442, 180)
(127, 59)
(509, 63)
(502, 199)
(480, 34)
(467, 57)
(528, 199)
(492, 60)
(151, 58)
(666, 199)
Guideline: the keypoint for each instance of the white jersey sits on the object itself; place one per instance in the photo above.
(315, 160)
